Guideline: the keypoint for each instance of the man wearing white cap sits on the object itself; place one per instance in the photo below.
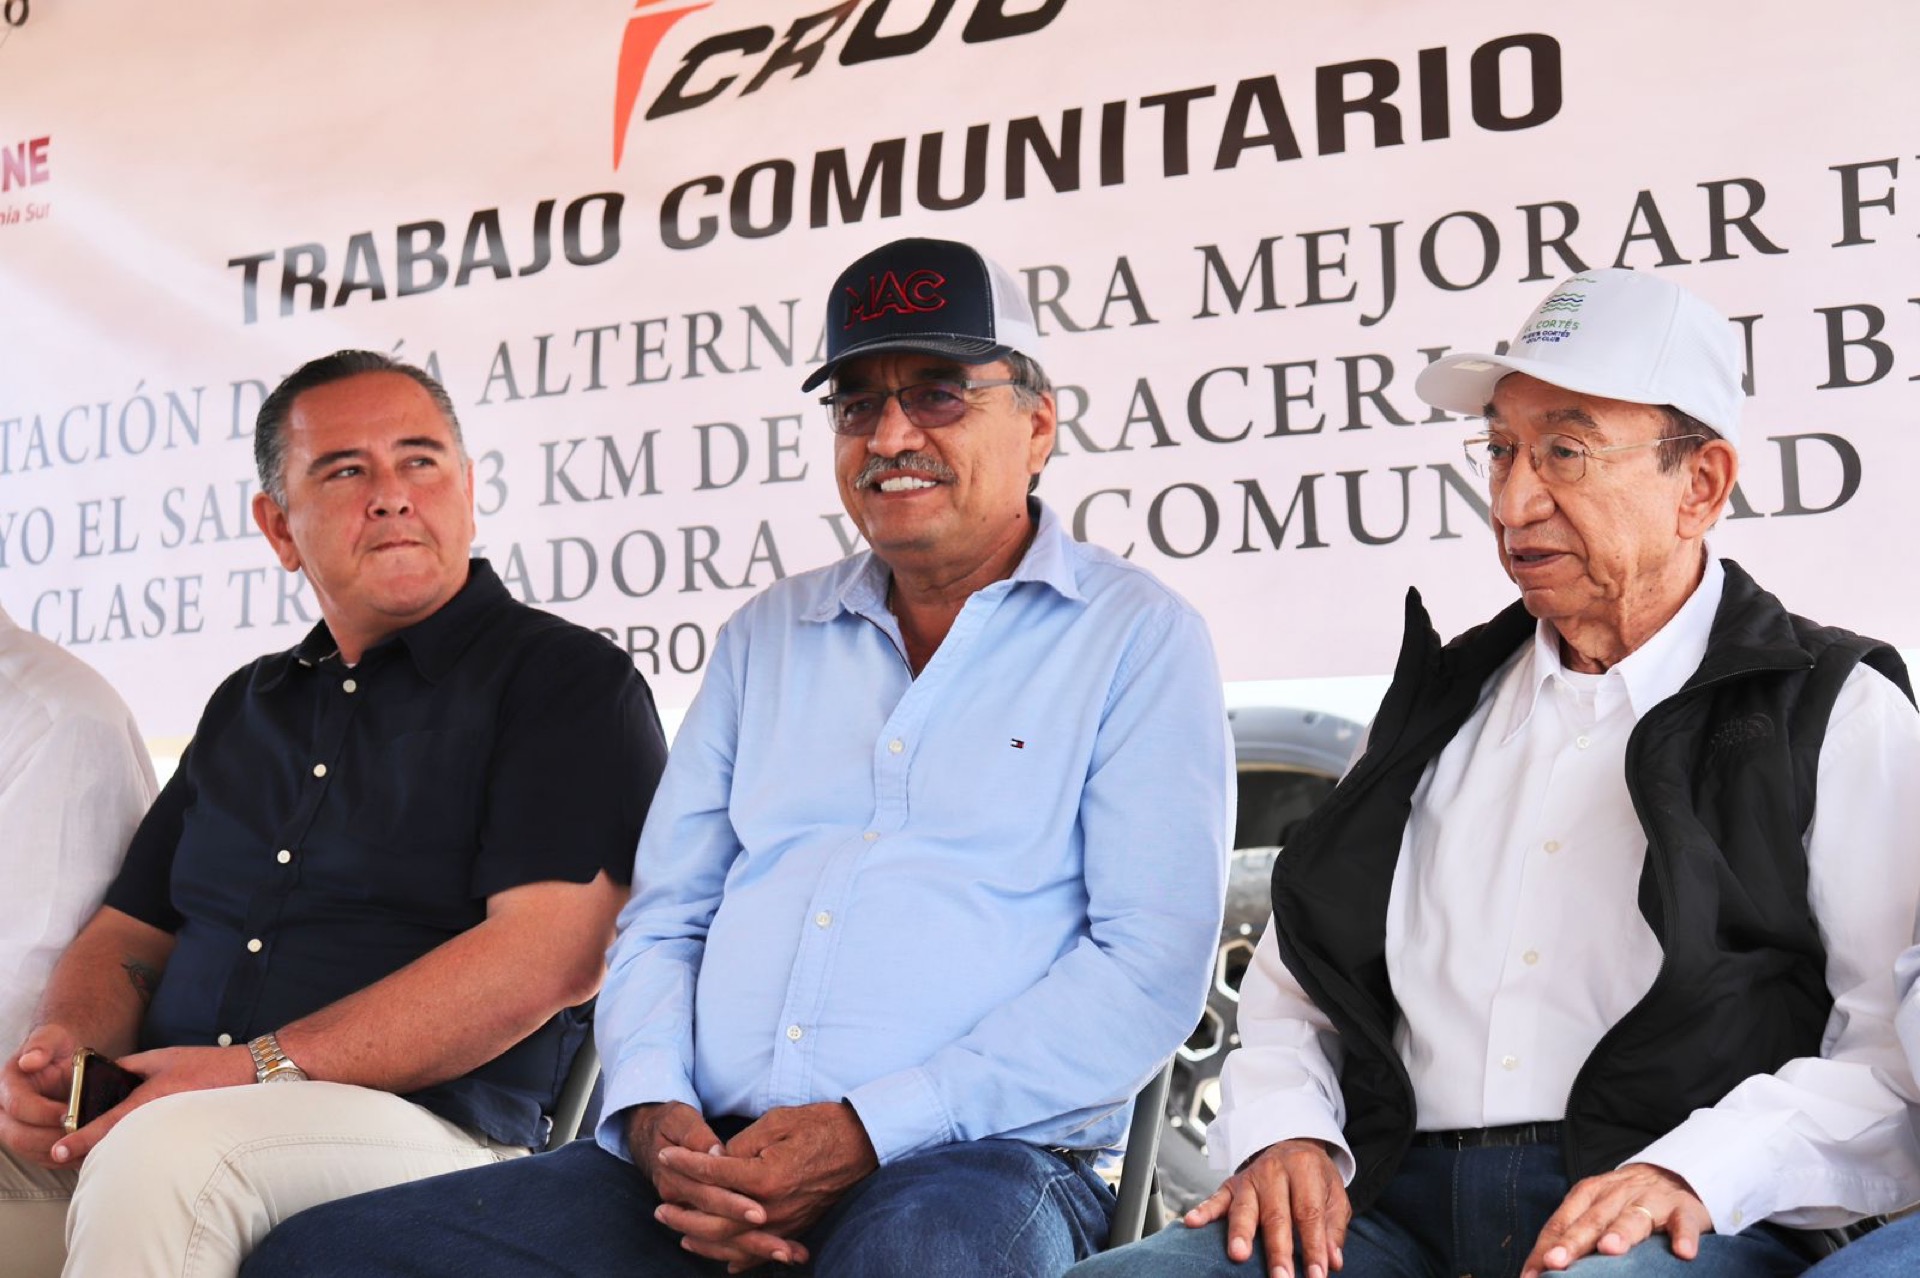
(1584, 966)
(930, 888)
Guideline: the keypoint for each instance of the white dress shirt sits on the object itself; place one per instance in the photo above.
(75, 780)
(1515, 940)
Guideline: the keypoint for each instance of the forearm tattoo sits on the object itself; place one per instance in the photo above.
(144, 977)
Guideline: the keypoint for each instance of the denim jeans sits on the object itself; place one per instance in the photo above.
(1471, 1213)
(983, 1209)
(1889, 1252)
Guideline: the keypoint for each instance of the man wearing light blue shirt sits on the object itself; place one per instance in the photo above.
(931, 885)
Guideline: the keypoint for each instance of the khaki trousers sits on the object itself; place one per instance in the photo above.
(186, 1186)
(33, 1217)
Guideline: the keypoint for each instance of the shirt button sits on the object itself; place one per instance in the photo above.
(225, 1040)
(1530, 957)
(1509, 1062)
(823, 919)
(283, 856)
(319, 769)
(1583, 742)
(253, 946)
(793, 1033)
(1551, 845)
(896, 745)
(349, 687)
(871, 835)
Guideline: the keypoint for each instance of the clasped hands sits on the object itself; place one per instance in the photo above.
(746, 1201)
(1293, 1188)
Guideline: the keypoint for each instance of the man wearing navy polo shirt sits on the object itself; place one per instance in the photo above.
(386, 869)
(931, 887)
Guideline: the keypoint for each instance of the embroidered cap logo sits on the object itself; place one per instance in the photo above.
(918, 294)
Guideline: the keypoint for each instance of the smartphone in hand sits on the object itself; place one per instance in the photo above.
(98, 1085)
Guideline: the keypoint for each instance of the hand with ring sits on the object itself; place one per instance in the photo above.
(1615, 1212)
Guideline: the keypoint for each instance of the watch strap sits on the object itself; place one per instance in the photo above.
(271, 1064)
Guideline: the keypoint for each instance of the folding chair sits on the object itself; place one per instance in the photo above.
(1140, 1210)
(574, 1093)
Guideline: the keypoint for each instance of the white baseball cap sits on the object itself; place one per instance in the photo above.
(1614, 333)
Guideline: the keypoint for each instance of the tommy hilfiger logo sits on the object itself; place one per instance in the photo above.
(889, 294)
(1018, 744)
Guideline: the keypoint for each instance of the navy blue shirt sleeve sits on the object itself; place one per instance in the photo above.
(143, 887)
(140, 888)
(573, 770)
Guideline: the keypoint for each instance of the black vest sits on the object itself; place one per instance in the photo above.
(1722, 777)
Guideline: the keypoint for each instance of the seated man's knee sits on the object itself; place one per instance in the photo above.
(989, 1207)
(1751, 1255)
(307, 1243)
(1174, 1252)
(165, 1151)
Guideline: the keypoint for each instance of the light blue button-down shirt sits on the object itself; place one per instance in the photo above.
(980, 902)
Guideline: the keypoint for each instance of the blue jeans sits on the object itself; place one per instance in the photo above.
(1447, 1213)
(984, 1209)
(1889, 1252)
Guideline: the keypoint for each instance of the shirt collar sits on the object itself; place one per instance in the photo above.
(434, 643)
(1649, 674)
(1049, 561)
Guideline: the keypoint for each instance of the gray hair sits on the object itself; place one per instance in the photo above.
(1030, 384)
(269, 428)
(1675, 447)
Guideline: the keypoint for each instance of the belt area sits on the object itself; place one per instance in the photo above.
(1481, 1137)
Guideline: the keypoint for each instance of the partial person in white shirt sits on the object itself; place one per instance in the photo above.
(1584, 966)
(75, 779)
(1892, 1252)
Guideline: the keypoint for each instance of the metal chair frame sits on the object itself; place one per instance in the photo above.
(571, 1107)
(1140, 1210)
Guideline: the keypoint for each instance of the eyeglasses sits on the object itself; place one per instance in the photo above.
(1557, 459)
(928, 405)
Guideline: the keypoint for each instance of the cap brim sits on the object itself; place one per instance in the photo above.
(966, 350)
(1464, 383)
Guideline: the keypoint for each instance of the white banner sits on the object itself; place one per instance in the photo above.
(610, 229)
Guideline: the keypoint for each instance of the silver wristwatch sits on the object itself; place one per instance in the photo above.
(271, 1065)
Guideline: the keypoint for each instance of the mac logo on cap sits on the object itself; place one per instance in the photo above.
(889, 294)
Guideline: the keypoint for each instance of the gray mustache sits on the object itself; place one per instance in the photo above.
(925, 463)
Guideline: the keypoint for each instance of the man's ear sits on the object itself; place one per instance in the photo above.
(473, 508)
(272, 521)
(1711, 473)
(1045, 422)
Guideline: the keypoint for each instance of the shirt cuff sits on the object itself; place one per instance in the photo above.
(1238, 1134)
(1748, 1167)
(903, 1114)
(1724, 1158)
(641, 1079)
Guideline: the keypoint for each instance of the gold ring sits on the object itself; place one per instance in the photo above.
(1651, 1218)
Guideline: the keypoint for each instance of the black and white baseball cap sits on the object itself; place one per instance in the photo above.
(936, 297)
